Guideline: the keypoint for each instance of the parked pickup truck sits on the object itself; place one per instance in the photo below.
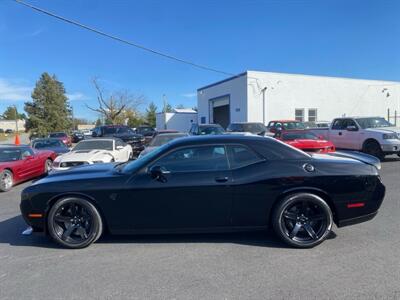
(372, 135)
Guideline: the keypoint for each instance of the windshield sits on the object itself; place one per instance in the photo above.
(42, 144)
(373, 123)
(249, 127)
(292, 125)
(110, 130)
(143, 130)
(10, 154)
(125, 130)
(57, 134)
(290, 136)
(211, 130)
(135, 165)
(162, 139)
(94, 144)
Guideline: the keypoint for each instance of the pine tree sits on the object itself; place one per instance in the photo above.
(49, 109)
(11, 114)
(168, 108)
(151, 111)
(98, 122)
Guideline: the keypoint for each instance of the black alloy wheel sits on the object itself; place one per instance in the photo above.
(74, 223)
(303, 220)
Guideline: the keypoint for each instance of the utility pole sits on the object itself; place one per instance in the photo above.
(165, 110)
(16, 118)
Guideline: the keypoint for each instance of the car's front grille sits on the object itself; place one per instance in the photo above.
(70, 164)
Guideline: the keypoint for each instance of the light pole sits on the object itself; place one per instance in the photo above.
(16, 119)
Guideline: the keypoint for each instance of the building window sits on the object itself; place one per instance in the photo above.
(312, 115)
(299, 114)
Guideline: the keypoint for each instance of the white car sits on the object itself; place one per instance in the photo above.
(94, 151)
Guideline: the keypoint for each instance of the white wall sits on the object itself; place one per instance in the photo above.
(10, 124)
(333, 97)
(235, 88)
(176, 121)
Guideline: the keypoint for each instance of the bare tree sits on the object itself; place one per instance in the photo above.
(113, 106)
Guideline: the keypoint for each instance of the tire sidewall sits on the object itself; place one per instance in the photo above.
(371, 145)
(97, 222)
(291, 199)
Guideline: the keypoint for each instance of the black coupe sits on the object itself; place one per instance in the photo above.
(208, 184)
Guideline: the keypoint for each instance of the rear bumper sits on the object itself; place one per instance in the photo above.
(356, 220)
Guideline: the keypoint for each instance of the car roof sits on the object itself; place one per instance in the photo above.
(285, 121)
(215, 139)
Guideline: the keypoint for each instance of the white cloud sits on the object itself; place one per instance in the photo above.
(76, 96)
(13, 91)
(189, 95)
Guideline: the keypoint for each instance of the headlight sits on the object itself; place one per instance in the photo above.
(389, 136)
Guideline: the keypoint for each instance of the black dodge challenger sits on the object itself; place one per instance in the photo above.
(208, 184)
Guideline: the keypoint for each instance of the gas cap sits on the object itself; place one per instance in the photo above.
(308, 167)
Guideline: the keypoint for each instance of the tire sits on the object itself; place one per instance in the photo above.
(74, 223)
(48, 165)
(373, 148)
(6, 180)
(302, 220)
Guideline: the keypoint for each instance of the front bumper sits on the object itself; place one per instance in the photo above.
(391, 146)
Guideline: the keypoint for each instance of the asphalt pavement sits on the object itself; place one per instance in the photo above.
(357, 262)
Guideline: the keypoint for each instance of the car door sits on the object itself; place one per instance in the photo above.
(31, 163)
(194, 192)
(337, 133)
(352, 137)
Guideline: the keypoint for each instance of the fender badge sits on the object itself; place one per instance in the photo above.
(308, 167)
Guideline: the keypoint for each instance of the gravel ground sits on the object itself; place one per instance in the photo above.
(360, 262)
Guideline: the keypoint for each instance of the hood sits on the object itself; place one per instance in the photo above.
(309, 144)
(385, 129)
(81, 173)
(83, 155)
(350, 156)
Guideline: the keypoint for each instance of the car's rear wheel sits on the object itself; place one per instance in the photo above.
(373, 148)
(48, 165)
(302, 220)
(6, 180)
(74, 223)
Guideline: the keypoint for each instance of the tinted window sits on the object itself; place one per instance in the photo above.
(110, 130)
(373, 122)
(272, 149)
(43, 144)
(339, 124)
(204, 158)
(162, 139)
(119, 143)
(204, 130)
(241, 156)
(10, 154)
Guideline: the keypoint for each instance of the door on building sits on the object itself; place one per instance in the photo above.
(220, 111)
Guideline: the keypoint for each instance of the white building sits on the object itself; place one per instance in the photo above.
(11, 124)
(179, 119)
(263, 96)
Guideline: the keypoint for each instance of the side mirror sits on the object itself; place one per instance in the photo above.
(159, 173)
(352, 128)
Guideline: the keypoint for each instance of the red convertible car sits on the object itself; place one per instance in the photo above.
(21, 163)
(306, 141)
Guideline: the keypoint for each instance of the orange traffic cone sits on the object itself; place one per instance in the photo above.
(17, 141)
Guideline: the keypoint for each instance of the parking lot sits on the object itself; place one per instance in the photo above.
(357, 262)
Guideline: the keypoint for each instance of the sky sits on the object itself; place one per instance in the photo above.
(344, 38)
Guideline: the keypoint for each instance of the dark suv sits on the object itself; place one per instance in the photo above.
(124, 133)
(205, 129)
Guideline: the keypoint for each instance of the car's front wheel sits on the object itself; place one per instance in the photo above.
(74, 223)
(302, 220)
(6, 180)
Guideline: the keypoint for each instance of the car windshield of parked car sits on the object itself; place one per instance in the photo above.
(290, 136)
(204, 130)
(373, 123)
(143, 130)
(57, 135)
(43, 144)
(249, 127)
(124, 130)
(293, 125)
(94, 144)
(162, 139)
(10, 155)
(110, 130)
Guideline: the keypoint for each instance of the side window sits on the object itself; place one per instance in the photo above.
(241, 156)
(351, 122)
(203, 158)
(26, 152)
(119, 143)
(339, 124)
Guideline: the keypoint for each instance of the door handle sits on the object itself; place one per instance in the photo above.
(221, 179)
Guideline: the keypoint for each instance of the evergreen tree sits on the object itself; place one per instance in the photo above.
(98, 122)
(49, 109)
(151, 111)
(168, 108)
(11, 114)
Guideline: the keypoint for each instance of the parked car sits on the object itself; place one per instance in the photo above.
(147, 131)
(51, 144)
(87, 132)
(372, 135)
(125, 133)
(281, 125)
(9, 131)
(250, 127)
(160, 139)
(21, 163)
(317, 124)
(77, 136)
(62, 136)
(94, 151)
(208, 184)
(205, 129)
(306, 141)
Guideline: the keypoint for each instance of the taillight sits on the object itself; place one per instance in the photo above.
(355, 205)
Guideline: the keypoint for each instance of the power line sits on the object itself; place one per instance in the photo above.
(116, 38)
